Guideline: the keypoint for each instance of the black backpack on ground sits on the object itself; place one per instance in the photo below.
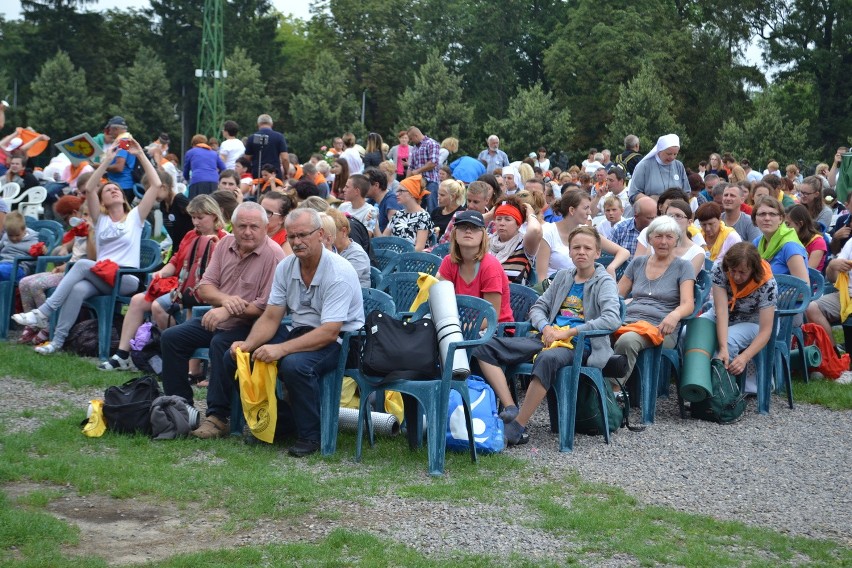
(127, 408)
(83, 338)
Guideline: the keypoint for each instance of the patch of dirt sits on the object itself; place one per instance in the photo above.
(131, 531)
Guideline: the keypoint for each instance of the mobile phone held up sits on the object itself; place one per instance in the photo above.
(124, 143)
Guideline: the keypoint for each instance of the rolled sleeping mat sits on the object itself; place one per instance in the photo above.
(445, 315)
(699, 346)
(383, 424)
(813, 357)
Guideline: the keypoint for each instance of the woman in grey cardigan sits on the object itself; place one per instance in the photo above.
(580, 299)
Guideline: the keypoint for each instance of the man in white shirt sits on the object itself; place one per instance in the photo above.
(231, 147)
(615, 183)
(355, 202)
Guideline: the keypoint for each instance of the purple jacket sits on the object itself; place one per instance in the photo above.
(203, 164)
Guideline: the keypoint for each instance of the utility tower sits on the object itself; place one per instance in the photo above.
(211, 75)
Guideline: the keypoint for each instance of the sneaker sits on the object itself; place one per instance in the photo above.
(32, 318)
(211, 427)
(41, 337)
(303, 448)
(515, 434)
(509, 414)
(47, 348)
(116, 363)
(28, 335)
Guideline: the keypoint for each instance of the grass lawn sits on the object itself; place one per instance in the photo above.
(320, 508)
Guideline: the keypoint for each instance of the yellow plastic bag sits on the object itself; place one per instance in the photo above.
(423, 283)
(95, 425)
(393, 404)
(348, 396)
(257, 393)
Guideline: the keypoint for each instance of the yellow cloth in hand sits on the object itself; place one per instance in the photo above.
(423, 283)
(842, 286)
(567, 343)
(257, 393)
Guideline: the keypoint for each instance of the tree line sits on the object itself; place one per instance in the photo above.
(565, 74)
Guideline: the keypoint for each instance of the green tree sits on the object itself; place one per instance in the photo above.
(435, 102)
(533, 119)
(766, 135)
(322, 108)
(645, 108)
(246, 93)
(62, 104)
(812, 40)
(147, 102)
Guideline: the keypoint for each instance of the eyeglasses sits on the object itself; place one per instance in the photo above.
(809, 193)
(677, 215)
(301, 236)
(271, 213)
(768, 214)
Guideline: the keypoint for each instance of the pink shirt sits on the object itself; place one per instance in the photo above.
(249, 277)
(401, 154)
(489, 278)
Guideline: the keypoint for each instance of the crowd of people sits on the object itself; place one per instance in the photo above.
(258, 234)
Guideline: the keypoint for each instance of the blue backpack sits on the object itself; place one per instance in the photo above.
(487, 426)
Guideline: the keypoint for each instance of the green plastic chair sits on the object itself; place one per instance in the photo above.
(433, 397)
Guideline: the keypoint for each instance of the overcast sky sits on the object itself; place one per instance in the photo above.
(11, 9)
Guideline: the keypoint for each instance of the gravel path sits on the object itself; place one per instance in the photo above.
(788, 471)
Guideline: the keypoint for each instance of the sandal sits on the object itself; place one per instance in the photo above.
(198, 380)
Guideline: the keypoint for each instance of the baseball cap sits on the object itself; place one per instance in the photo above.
(471, 217)
(117, 121)
(13, 144)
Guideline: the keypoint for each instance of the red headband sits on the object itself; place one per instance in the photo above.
(509, 211)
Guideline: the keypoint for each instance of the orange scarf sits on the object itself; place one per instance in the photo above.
(76, 170)
(643, 328)
(205, 146)
(750, 287)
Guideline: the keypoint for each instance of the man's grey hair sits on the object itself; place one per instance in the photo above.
(249, 206)
(631, 141)
(665, 225)
(264, 119)
(719, 188)
(299, 212)
(492, 137)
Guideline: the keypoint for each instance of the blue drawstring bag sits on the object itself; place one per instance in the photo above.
(487, 426)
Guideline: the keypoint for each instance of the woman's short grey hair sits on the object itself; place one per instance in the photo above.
(316, 203)
(665, 225)
(298, 212)
(249, 206)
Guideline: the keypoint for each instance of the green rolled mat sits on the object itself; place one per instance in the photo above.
(699, 346)
(813, 358)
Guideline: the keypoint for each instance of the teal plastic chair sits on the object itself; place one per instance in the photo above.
(107, 305)
(375, 278)
(817, 289)
(402, 287)
(413, 262)
(441, 250)
(433, 397)
(383, 258)
(649, 364)
(395, 244)
(794, 296)
(562, 399)
(48, 235)
(606, 259)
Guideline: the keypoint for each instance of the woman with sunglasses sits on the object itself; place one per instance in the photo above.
(472, 269)
(412, 222)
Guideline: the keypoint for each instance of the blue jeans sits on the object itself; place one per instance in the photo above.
(432, 198)
(300, 373)
(177, 345)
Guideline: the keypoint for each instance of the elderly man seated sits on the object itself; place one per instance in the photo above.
(320, 290)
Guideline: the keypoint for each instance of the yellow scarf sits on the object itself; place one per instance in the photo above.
(724, 231)
(842, 286)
